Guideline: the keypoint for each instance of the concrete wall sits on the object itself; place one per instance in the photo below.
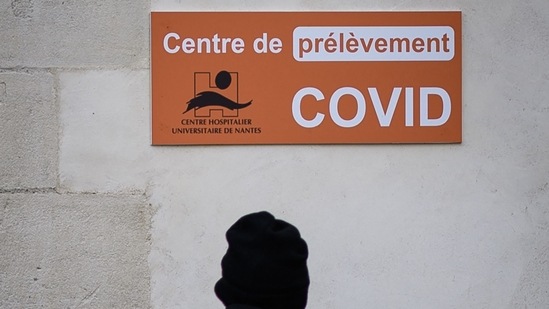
(91, 216)
(62, 246)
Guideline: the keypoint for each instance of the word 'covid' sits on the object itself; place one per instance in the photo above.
(384, 116)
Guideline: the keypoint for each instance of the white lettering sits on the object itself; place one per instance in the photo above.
(174, 44)
(424, 94)
(262, 45)
(385, 117)
(188, 46)
(296, 107)
(334, 104)
(167, 47)
(409, 117)
(275, 46)
(237, 45)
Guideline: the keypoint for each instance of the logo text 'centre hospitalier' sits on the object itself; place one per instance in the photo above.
(224, 98)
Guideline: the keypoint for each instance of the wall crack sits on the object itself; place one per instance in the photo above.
(28, 190)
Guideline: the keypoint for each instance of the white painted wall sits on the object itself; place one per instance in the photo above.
(388, 226)
(60, 246)
(421, 226)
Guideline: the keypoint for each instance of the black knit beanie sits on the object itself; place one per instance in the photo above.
(265, 265)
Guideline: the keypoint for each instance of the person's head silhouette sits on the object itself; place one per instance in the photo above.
(265, 265)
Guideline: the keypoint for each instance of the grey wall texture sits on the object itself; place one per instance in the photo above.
(92, 216)
(60, 248)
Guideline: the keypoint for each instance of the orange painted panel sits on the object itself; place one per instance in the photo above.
(306, 77)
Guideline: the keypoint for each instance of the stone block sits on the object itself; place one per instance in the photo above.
(67, 33)
(29, 130)
(74, 251)
(105, 136)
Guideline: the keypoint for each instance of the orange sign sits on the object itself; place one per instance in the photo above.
(306, 77)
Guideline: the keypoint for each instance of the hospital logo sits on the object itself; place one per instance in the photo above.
(219, 94)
